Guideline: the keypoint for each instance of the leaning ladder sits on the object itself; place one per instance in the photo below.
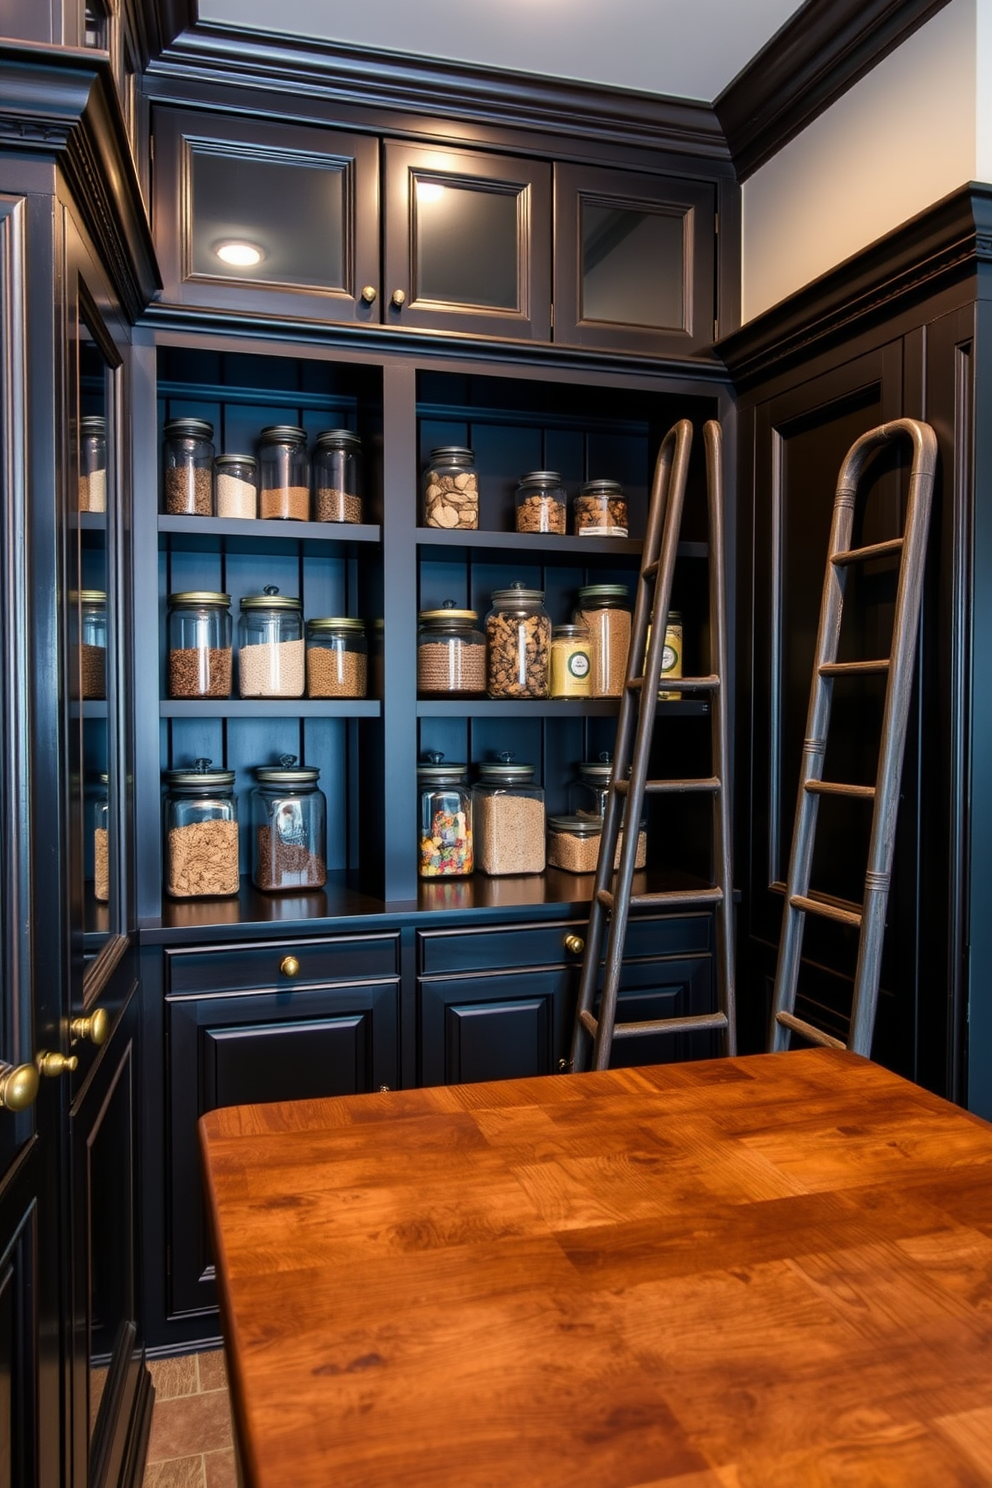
(612, 898)
(869, 920)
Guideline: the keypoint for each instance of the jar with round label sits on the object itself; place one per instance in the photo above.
(571, 669)
(605, 611)
(671, 661)
(508, 814)
(446, 842)
(518, 638)
(451, 489)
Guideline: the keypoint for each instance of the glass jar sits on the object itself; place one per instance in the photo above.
(93, 656)
(571, 666)
(200, 645)
(541, 502)
(600, 510)
(188, 465)
(605, 611)
(283, 473)
(518, 640)
(337, 476)
(451, 489)
(671, 658)
(451, 653)
(201, 832)
(271, 661)
(508, 815)
(337, 658)
(235, 486)
(446, 849)
(289, 827)
(573, 843)
(92, 464)
(587, 799)
(100, 819)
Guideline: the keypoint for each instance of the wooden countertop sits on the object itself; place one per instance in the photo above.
(767, 1272)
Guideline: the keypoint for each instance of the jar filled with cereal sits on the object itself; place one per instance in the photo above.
(446, 847)
(518, 637)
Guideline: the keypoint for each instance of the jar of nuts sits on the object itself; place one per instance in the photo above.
(508, 812)
(337, 658)
(200, 645)
(541, 502)
(201, 832)
(605, 611)
(337, 476)
(289, 827)
(451, 489)
(188, 467)
(601, 510)
(518, 638)
(451, 653)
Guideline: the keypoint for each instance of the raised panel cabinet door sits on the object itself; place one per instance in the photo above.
(467, 242)
(492, 1028)
(634, 260)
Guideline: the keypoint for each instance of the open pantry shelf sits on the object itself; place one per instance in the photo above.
(270, 707)
(546, 708)
(228, 534)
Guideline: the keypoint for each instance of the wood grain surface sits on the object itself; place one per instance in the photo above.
(766, 1272)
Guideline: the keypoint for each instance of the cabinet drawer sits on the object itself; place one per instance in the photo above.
(448, 953)
(237, 968)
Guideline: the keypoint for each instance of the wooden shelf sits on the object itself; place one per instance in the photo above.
(549, 546)
(546, 708)
(231, 535)
(270, 708)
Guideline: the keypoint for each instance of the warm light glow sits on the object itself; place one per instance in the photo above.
(429, 191)
(241, 255)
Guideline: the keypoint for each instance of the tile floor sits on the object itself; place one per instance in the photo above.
(191, 1445)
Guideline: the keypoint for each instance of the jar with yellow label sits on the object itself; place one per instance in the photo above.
(571, 668)
(671, 659)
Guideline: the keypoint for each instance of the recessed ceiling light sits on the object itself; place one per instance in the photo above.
(241, 255)
(429, 191)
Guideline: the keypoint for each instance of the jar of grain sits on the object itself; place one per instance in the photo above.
(337, 476)
(587, 799)
(100, 820)
(201, 832)
(93, 653)
(573, 843)
(451, 489)
(600, 510)
(571, 667)
(451, 653)
(200, 644)
(283, 473)
(605, 611)
(508, 813)
(92, 464)
(188, 464)
(235, 486)
(541, 502)
(518, 638)
(270, 640)
(337, 658)
(289, 827)
(446, 846)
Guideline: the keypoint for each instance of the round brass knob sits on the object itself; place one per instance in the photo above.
(51, 1064)
(575, 944)
(18, 1086)
(399, 298)
(368, 294)
(95, 1028)
(384, 1088)
(289, 966)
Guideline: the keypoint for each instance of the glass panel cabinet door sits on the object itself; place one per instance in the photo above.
(634, 260)
(467, 242)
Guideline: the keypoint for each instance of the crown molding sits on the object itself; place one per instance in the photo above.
(157, 23)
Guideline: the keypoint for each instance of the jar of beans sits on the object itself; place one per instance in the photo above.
(518, 638)
(451, 653)
(92, 464)
(235, 486)
(604, 609)
(289, 827)
(451, 489)
(201, 832)
(446, 845)
(200, 644)
(541, 502)
(587, 799)
(573, 843)
(337, 476)
(508, 814)
(93, 654)
(188, 467)
(601, 510)
(283, 473)
(337, 658)
(270, 640)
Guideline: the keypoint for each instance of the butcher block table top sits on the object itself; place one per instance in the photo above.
(766, 1272)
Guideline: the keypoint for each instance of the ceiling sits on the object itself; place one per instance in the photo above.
(682, 48)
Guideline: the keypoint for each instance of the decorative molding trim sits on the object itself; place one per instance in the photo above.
(156, 24)
(939, 247)
(816, 56)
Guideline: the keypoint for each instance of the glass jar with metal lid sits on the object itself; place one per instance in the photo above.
(571, 665)
(289, 827)
(201, 832)
(271, 662)
(200, 644)
(605, 611)
(508, 815)
(337, 658)
(93, 652)
(587, 798)
(92, 464)
(573, 843)
(541, 502)
(337, 476)
(283, 473)
(99, 807)
(451, 653)
(446, 843)
(451, 489)
(236, 486)
(518, 640)
(188, 465)
(601, 510)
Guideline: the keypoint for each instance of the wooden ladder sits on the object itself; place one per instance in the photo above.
(612, 898)
(869, 919)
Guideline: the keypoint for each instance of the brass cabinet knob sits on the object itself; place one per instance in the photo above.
(399, 298)
(368, 294)
(575, 944)
(384, 1088)
(289, 966)
(18, 1086)
(95, 1027)
(51, 1064)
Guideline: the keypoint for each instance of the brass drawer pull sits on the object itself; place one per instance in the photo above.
(289, 966)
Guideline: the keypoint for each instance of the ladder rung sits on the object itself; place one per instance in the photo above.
(815, 1035)
(832, 788)
(671, 787)
(853, 668)
(667, 896)
(678, 684)
(862, 555)
(828, 911)
(689, 1024)
(651, 571)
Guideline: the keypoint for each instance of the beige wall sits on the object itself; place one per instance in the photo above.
(914, 129)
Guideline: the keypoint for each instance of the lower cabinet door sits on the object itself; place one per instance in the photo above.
(676, 988)
(493, 1027)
